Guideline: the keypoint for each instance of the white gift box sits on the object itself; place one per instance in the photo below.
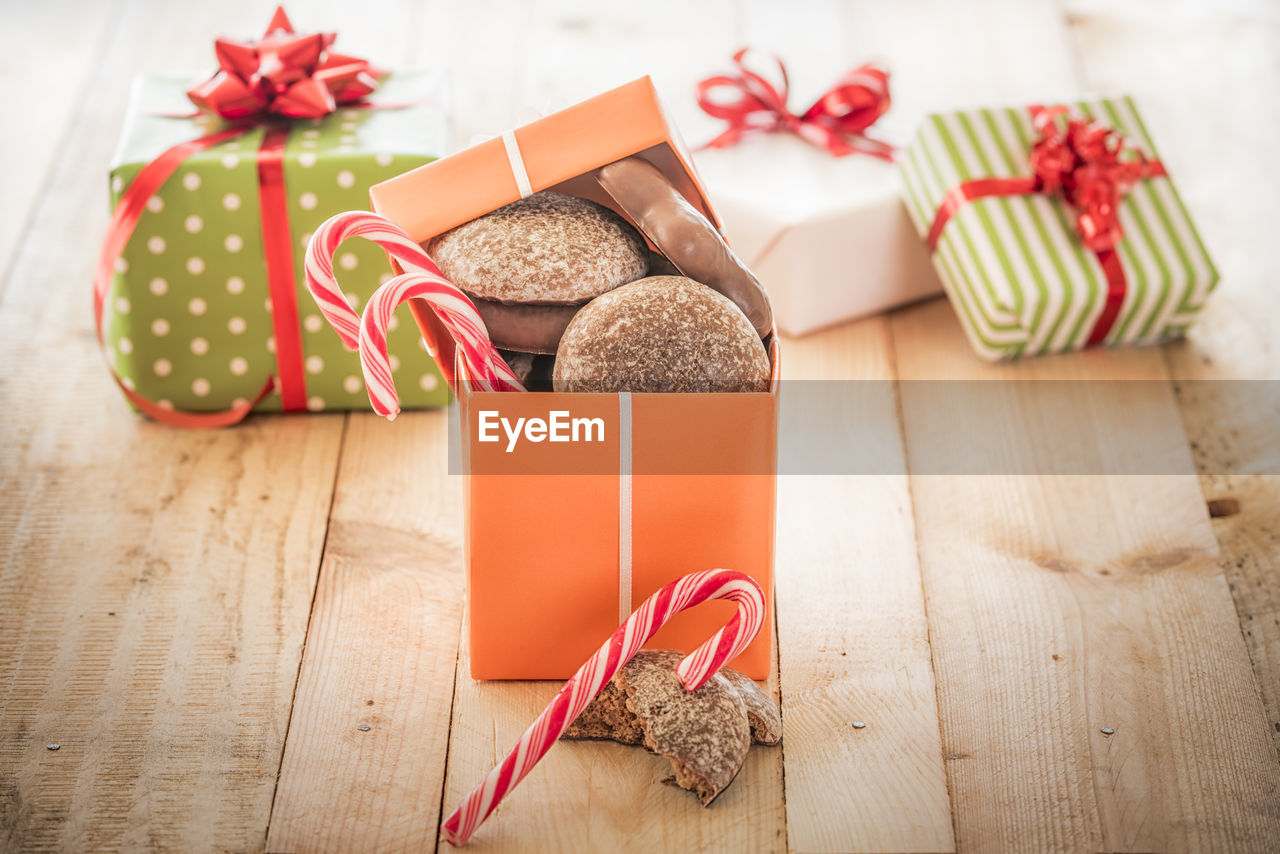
(828, 236)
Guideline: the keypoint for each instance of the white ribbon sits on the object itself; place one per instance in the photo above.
(517, 169)
(624, 506)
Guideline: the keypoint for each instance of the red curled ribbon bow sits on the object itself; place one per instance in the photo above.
(285, 73)
(1080, 160)
(837, 122)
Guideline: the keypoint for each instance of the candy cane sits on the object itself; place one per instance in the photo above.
(423, 279)
(321, 280)
(608, 660)
(454, 310)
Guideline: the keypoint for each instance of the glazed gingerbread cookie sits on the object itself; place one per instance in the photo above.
(547, 249)
(661, 334)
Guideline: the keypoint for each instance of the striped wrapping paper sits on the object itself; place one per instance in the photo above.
(1014, 267)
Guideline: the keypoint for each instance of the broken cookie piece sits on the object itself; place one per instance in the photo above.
(762, 712)
(705, 734)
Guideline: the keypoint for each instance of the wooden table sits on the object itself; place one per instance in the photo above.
(251, 638)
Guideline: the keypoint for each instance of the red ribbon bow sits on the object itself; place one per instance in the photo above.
(285, 73)
(837, 121)
(1081, 160)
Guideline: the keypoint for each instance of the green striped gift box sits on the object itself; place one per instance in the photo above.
(1021, 281)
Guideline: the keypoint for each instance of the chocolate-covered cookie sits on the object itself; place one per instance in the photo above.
(527, 328)
(685, 236)
(549, 249)
(660, 266)
(661, 334)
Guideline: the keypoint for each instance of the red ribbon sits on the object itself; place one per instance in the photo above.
(278, 252)
(284, 74)
(1080, 160)
(837, 122)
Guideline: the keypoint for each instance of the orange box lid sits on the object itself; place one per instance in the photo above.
(555, 150)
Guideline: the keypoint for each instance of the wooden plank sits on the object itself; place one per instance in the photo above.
(944, 55)
(853, 641)
(1028, 767)
(1169, 57)
(878, 788)
(581, 53)
(852, 637)
(485, 71)
(46, 69)
(1062, 604)
(157, 581)
(381, 650)
(158, 584)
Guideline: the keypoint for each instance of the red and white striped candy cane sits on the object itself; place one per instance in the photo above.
(485, 368)
(422, 279)
(591, 678)
(324, 244)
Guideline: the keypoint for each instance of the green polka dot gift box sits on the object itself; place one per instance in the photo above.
(1055, 227)
(189, 322)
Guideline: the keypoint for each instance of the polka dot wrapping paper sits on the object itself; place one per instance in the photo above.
(189, 315)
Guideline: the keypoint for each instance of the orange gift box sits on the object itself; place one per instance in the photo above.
(564, 538)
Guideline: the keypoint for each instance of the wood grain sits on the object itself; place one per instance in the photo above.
(381, 650)
(852, 639)
(853, 642)
(1063, 604)
(1160, 53)
(156, 582)
(44, 80)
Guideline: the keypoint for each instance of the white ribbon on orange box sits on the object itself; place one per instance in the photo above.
(517, 167)
(828, 236)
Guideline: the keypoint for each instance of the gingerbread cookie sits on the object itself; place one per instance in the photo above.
(661, 334)
(547, 249)
(705, 734)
